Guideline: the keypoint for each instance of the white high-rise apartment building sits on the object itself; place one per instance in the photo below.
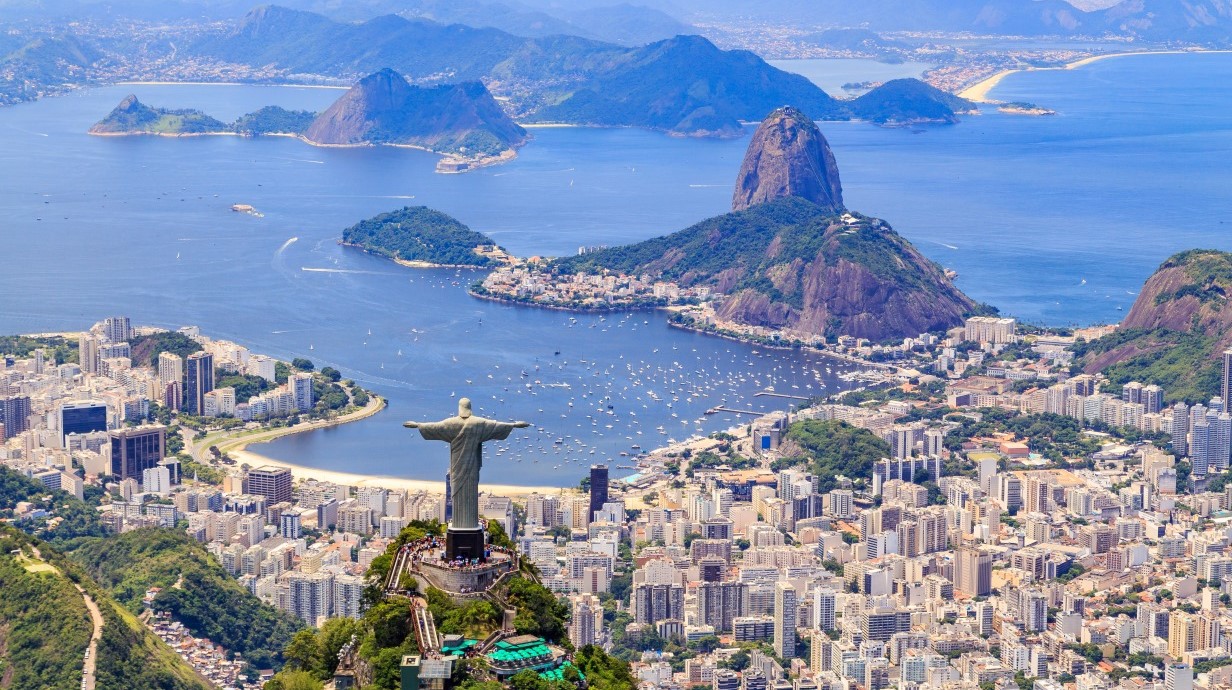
(586, 625)
(784, 620)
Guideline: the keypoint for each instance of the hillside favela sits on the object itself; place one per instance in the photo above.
(599, 345)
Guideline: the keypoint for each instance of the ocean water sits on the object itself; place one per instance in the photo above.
(831, 74)
(1131, 170)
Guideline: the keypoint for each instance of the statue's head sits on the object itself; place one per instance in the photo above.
(464, 408)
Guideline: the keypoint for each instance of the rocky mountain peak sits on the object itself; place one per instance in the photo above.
(788, 157)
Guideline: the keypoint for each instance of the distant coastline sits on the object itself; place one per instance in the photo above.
(228, 83)
(449, 163)
(979, 91)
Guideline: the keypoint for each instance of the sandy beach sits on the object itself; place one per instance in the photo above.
(350, 479)
(237, 448)
(979, 92)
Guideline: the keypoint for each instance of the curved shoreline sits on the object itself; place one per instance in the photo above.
(576, 310)
(237, 448)
(979, 91)
(238, 444)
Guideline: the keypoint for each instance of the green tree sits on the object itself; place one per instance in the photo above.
(294, 680)
(303, 653)
(836, 448)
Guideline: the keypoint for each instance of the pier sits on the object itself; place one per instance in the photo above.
(780, 395)
(732, 410)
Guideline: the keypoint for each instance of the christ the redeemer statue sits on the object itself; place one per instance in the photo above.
(466, 435)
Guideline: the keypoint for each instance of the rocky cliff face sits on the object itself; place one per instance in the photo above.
(384, 109)
(864, 281)
(1189, 292)
(130, 114)
(789, 257)
(1174, 334)
(788, 157)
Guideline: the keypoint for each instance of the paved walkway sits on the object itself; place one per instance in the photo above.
(92, 650)
(96, 616)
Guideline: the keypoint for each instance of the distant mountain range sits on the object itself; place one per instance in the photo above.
(624, 23)
(612, 21)
(1155, 20)
(645, 21)
(684, 85)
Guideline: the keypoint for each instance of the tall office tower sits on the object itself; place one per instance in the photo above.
(170, 368)
(448, 499)
(598, 488)
(301, 390)
(1180, 429)
(87, 354)
(14, 415)
(117, 329)
(784, 620)
(137, 449)
(274, 483)
(198, 380)
(973, 571)
(82, 417)
(824, 613)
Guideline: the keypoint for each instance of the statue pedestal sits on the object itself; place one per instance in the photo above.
(464, 543)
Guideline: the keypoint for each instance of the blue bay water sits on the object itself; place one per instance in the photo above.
(832, 73)
(1131, 170)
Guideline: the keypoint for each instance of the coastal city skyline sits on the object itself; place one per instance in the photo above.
(834, 345)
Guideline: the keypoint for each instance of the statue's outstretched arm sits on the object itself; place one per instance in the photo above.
(516, 425)
(411, 425)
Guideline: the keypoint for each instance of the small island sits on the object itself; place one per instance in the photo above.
(420, 237)
(1022, 108)
(132, 117)
(463, 123)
